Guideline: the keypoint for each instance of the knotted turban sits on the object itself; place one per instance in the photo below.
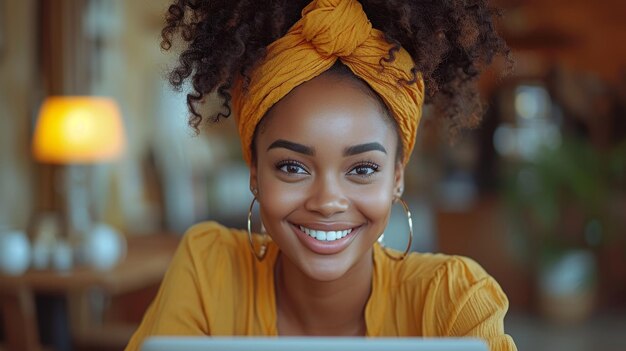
(331, 30)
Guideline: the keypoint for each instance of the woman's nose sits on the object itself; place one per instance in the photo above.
(327, 197)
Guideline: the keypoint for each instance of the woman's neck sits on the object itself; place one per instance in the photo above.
(310, 307)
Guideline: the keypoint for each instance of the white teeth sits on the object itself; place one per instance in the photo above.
(331, 236)
(325, 236)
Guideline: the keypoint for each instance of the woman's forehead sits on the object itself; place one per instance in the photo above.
(328, 106)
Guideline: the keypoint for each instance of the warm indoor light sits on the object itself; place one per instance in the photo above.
(78, 129)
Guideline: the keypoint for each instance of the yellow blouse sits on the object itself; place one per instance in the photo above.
(214, 286)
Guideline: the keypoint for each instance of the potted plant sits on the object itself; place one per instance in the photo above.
(565, 205)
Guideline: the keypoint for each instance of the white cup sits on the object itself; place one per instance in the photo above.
(62, 256)
(15, 252)
(104, 247)
(42, 254)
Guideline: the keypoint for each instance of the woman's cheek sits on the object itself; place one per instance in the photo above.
(279, 198)
(375, 204)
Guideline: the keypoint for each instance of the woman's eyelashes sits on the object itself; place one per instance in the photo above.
(291, 167)
(295, 168)
(364, 169)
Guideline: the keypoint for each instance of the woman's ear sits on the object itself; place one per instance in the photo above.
(398, 183)
(253, 179)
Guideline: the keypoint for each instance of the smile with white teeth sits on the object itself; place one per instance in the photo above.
(325, 236)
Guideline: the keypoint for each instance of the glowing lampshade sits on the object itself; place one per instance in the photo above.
(78, 129)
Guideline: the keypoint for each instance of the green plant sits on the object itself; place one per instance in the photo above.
(571, 196)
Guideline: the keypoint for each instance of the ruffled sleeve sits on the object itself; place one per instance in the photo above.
(463, 300)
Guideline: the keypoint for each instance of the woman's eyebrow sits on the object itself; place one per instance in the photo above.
(361, 148)
(299, 148)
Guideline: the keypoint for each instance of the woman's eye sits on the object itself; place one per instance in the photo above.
(364, 170)
(292, 168)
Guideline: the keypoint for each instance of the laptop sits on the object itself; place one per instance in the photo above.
(169, 343)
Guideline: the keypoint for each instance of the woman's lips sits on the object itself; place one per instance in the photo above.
(325, 247)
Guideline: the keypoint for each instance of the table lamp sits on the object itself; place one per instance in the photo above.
(80, 129)
(77, 131)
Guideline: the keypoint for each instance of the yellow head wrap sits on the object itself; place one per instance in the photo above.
(330, 30)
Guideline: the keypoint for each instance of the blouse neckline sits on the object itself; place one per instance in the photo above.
(267, 303)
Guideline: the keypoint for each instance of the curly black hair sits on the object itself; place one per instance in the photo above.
(450, 41)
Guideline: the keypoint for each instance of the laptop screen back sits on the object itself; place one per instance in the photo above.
(311, 344)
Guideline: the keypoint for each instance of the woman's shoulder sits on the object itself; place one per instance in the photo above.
(210, 240)
(212, 233)
(433, 268)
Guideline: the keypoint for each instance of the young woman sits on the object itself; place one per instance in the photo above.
(327, 97)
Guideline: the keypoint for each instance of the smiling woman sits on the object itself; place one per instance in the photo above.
(328, 97)
(339, 177)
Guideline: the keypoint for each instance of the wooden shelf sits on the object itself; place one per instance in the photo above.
(144, 266)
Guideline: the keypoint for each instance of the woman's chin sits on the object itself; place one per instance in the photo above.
(325, 268)
(323, 273)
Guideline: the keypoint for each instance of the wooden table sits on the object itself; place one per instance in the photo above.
(145, 264)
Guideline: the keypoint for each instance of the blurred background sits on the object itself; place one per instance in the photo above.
(536, 194)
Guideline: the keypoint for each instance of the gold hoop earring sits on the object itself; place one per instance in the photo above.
(408, 246)
(261, 255)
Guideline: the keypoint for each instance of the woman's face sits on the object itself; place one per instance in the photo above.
(326, 172)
